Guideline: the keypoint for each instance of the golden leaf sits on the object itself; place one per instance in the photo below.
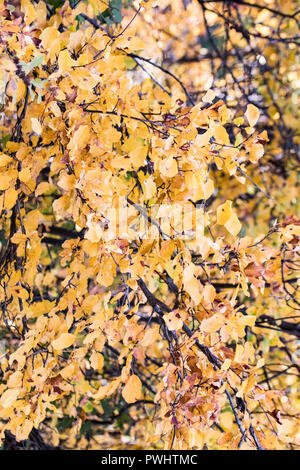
(209, 293)
(221, 136)
(168, 167)
(29, 10)
(132, 390)
(24, 430)
(10, 198)
(173, 320)
(233, 225)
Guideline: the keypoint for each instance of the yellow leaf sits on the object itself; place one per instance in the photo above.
(75, 39)
(151, 335)
(107, 390)
(29, 11)
(221, 136)
(150, 188)
(98, 40)
(212, 324)
(36, 126)
(5, 182)
(173, 320)
(238, 353)
(247, 320)
(42, 188)
(80, 138)
(168, 167)
(10, 198)
(137, 151)
(48, 36)
(252, 114)
(65, 340)
(260, 363)
(68, 371)
(65, 62)
(18, 238)
(202, 140)
(191, 284)
(107, 272)
(94, 233)
(21, 90)
(31, 221)
(196, 438)
(224, 212)
(4, 160)
(208, 188)
(15, 379)
(256, 152)
(233, 225)
(132, 390)
(66, 182)
(209, 293)
(25, 175)
(238, 121)
(24, 430)
(209, 96)
(226, 364)
(97, 361)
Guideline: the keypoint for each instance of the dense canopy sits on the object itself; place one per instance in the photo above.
(149, 237)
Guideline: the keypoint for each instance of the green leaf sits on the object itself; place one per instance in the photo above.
(113, 14)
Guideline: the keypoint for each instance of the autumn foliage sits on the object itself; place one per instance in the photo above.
(149, 334)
